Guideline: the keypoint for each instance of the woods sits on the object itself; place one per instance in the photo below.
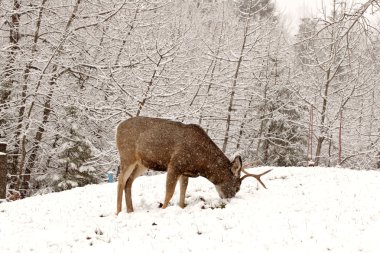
(71, 70)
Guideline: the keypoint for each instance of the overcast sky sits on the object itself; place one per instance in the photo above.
(293, 10)
(297, 7)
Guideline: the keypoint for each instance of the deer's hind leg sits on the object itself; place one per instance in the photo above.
(171, 182)
(139, 170)
(125, 171)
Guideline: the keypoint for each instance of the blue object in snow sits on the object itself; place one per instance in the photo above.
(110, 177)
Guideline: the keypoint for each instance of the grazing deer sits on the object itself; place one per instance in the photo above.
(179, 149)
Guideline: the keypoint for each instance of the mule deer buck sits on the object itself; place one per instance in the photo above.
(179, 149)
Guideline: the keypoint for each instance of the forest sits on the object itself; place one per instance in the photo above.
(71, 70)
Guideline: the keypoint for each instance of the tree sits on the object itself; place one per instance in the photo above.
(330, 53)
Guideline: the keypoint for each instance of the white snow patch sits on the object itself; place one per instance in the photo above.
(303, 210)
(56, 177)
(87, 168)
(68, 184)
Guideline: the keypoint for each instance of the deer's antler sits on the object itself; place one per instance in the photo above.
(255, 176)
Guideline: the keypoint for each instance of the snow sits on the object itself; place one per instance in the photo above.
(68, 184)
(303, 210)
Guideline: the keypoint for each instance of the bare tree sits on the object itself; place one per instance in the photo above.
(331, 49)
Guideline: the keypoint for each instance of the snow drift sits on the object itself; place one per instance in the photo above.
(303, 210)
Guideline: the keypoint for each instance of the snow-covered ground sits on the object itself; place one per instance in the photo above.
(303, 210)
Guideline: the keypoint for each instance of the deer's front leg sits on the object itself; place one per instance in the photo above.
(183, 181)
(171, 181)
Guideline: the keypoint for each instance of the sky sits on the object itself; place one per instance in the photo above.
(293, 10)
(296, 8)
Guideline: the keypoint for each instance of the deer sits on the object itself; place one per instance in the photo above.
(182, 150)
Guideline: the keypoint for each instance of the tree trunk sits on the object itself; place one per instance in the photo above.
(3, 170)
(234, 83)
(24, 169)
(242, 125)
(321, 138)
(41, 129)
(28, 67)
(9, 79)
(214, 62)
(149, 87)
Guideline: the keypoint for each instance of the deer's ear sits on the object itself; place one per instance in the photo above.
(236, 166)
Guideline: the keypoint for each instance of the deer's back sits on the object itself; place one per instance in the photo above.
(154, 141)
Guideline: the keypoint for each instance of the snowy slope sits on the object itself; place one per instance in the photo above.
(303, 210)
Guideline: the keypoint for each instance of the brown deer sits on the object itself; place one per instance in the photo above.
(179, 149)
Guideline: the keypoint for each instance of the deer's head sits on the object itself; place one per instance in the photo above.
(228, 189)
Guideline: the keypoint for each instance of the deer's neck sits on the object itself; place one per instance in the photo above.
(217, 173)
